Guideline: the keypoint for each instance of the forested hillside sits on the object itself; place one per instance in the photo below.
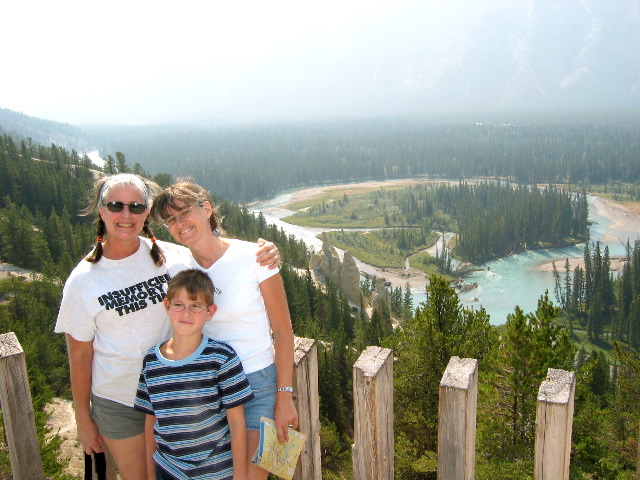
(45, 132)
(246, 163)
(43, 188)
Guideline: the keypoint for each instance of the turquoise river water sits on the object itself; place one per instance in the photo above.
(503, 283)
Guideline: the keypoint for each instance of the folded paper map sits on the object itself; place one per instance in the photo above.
(278, 458)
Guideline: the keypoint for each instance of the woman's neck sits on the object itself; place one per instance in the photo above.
(116, 249)
(209, 251)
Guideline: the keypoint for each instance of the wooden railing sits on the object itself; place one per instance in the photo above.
(373, 447)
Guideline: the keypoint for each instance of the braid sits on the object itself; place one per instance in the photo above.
(96, 254)
(156, 253)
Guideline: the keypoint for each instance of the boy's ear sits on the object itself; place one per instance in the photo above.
(166, 302)
(211, 310)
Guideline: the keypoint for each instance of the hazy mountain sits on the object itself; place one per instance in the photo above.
(407, 57)
(536, 55)
(44, 132)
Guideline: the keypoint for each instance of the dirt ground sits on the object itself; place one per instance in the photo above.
(7, 271)
(63, 422)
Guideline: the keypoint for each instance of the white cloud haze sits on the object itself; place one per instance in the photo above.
(79, 61)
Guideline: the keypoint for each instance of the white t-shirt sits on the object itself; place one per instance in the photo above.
(241, 319)
(117, 304)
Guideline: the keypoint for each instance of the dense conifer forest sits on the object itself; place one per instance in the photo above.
(246, 163)
(406, 219)
(42, 190)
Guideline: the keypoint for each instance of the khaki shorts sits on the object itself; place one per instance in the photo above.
(115, 420)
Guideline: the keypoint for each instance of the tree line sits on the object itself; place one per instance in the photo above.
(592, 298)
(247, 163)
(496, 219)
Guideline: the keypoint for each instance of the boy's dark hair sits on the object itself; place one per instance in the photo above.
(195, 282)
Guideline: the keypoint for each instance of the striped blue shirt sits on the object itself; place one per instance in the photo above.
(189, 398)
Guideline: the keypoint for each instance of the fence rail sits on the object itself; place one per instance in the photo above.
(373, 447)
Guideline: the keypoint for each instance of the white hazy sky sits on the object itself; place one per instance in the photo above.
(82, 61)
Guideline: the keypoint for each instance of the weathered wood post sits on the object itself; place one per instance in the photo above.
(305, 384)
(17, 410)
(638, 462)
(372, 450)
(457, 406)
(554, 422)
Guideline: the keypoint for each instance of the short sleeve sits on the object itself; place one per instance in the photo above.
(143, 402)
(263, 273)
(234, 386)
(74, 317)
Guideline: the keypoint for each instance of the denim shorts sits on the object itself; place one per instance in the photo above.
(263, 384)
(115, 420)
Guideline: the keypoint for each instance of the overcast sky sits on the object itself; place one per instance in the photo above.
(141, 61)
(80, 61)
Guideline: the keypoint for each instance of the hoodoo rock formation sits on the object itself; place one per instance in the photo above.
(343, 273)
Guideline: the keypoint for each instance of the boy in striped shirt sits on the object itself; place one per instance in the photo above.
(193, 389)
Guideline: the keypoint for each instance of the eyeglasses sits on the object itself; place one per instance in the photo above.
(194, 307)
(134, 207)
(182, 214)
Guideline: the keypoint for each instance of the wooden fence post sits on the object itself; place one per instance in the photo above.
(305, 384)
(638, 462)
(372, 450)
(17, 410)
(554, 422)
(457, 406)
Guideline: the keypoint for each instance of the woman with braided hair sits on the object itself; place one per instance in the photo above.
(112, 312)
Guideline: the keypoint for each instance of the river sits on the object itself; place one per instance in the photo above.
(503, 284)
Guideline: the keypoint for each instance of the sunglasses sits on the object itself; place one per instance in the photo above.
(136, 208)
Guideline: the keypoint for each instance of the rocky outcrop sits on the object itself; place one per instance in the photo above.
(380, 294)
(350, 278)
(343, 273)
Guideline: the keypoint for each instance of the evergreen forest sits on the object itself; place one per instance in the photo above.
(404, 220)
(246, 163)
(590, 324)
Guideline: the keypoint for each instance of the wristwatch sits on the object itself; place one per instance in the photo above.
(285, 389)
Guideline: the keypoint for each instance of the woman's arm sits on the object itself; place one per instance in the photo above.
(239, 454)
(275, 301)
(80, 362)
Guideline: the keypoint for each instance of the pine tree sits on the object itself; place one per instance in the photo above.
(530, 344)
(439, 329)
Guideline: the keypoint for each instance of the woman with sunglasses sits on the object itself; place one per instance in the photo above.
(252, 315)
(112, 313)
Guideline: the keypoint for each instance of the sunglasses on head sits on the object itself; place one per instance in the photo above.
(134, 207)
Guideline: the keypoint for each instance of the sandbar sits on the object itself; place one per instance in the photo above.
(625, 221)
